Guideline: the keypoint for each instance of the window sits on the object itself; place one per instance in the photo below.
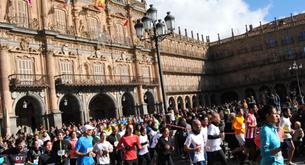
(271, 43)
(60, 20)
(22, 13)
(25, 70)
(287, 40)
(122, 72)
(290, 53)
(93, 27)
(302, 36)
(146, 74)
(66, 70)
(99, 72)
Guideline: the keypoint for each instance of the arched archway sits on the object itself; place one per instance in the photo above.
(213, 99)
(264, 93)
(280, 89)
(229, 97)
(249, 92)
(172, 103)
(128, 104)
(195, 101)
(187, 102)
(180, 103)
(201, 100)
(29, 112)
(102, 106)
(150, 101)
(70, 108)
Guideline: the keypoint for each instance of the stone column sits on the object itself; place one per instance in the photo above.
(53, 108)
(44, 11)
(6, 100)
(141, 104)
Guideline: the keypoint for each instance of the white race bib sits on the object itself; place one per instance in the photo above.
(89, 149)
(116, 143)
(278, 156)
(61, 152)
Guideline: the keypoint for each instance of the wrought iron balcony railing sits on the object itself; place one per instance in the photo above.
(28, 81)
(102, 80)
(94, 80)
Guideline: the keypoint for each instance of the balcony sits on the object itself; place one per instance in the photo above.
(82, 80)
(182, 70)
(182, 88)
(28, 81)
(93, 81)
(148, 82)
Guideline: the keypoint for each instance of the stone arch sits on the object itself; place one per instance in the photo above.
(69, 105)
(29, 110)
(264, 93)
(150, 101)
(293, 88)
(187, 102)
(213, 99)
(102, 106)
(249, 92)
(171, 103)
(229, 97)
(195, 101)
(128, 104)
(180, 103)
(281, 90)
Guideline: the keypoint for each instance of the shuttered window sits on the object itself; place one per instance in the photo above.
(66, 69)
(99, 73)
(60, 20)
(25, 71)
(22, 13)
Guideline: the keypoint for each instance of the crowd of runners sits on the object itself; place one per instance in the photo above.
(243, 131)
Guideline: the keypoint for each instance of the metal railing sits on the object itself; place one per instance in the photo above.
(102, 80)
(28, 81)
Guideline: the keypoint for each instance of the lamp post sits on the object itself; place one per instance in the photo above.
(156, 30)
(295, 67)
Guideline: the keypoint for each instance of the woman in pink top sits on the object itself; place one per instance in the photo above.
(129, 144)
(73, 156)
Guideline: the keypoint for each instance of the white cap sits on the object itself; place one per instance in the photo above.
(88, 126)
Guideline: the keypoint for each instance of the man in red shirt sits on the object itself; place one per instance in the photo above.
(129, 143)
(251, 131)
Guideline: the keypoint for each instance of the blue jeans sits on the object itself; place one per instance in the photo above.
(199, 163)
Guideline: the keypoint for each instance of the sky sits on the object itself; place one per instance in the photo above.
(209, 17)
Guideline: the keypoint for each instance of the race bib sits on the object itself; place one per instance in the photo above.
(35, 162)
(278, 156)
(116, 143)
(89, 149)
(61, 152)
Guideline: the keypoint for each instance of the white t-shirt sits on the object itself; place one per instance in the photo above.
(194, 140)
(99, 148)
(213, 144)
(204, 130)
(155, 140)
(285, 124)
(144, 139)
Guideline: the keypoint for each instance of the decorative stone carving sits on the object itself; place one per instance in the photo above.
(34, 23)
(65, 49)
(24, 44)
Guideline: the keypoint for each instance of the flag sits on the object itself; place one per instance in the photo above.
(29, 2)
(67, 3)
(100, 4)
(125, 22)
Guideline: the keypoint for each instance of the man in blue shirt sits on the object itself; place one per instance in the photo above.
(84, 147)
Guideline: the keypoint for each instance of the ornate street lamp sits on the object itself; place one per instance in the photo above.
(295, 67)
(157, 31)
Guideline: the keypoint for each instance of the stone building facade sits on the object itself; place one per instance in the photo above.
(63, 63)
(256, 63)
